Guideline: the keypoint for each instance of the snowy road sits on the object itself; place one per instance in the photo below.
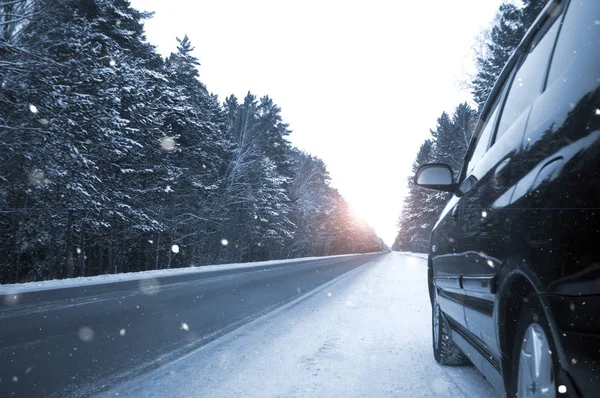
(367, 333)
(79, 337)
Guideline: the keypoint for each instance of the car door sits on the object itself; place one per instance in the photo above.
(445, 264)
(485, 212)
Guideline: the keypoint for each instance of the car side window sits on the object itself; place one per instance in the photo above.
(528, 81)
(578, 45)
(483, 142)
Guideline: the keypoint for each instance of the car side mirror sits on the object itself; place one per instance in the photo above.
(436, 176)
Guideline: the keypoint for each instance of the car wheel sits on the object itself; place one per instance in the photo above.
(444, 349)
(534, 367)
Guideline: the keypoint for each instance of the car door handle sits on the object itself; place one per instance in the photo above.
(501, 168)
(501, 172)
(481, 283)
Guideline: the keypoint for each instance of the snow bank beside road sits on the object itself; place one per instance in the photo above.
(419, 255)
(111, 278)
(366, 334)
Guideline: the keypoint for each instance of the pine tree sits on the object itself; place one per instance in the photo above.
(257, 179)
(411, 220)
(422, 207)
(505, 37)
(195, 149)
(511, 24)
(452, 136)
(84, 135)
(310, 196)
(116, 160)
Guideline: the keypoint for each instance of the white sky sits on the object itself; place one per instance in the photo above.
(359, 82)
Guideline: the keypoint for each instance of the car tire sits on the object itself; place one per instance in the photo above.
(445, 351)
(533, 347)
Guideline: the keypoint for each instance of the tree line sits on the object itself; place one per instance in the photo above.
(449, 140)
(115, 159)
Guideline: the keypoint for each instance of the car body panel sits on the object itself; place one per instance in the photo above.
(485, 234)
(446, 265)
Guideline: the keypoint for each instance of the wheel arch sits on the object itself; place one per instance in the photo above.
(516, 291)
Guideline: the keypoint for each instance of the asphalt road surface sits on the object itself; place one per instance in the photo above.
(364, 334)
(82, 340)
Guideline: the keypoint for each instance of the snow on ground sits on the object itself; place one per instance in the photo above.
(420, 255)
(128, 276)
(366, 333)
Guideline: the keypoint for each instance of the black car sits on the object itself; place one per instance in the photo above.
(514, 260)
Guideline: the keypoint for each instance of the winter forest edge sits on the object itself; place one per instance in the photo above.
(117, 160)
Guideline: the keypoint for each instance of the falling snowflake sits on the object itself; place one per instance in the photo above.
(112, 62)
(184, 326)
(122, 332)
(149, 286)
(37, 177)
(484, 214)
(33, 108)
(11, 299)
(490, 263)
(44, 121)
(562, 389)
(85, 334)
(78, 250)
(175, 249)
(224, 242)
(167, 143)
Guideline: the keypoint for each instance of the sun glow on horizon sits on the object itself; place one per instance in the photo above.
(376, 214)
(356, 89)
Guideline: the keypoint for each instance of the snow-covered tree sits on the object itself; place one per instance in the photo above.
(311, 203)
(257, 179)
(421, 207)
(511, 23)
(115, 159)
